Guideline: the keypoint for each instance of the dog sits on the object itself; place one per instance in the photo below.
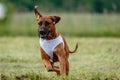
(53, 46)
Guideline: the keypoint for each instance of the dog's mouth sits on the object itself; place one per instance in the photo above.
(43, 34)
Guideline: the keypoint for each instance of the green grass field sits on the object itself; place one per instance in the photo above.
(96, 59)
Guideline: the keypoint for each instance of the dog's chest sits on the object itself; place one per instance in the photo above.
(49, 45)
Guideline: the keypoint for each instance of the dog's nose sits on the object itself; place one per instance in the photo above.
(42, 31)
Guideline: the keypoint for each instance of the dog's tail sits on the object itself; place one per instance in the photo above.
(74, 49)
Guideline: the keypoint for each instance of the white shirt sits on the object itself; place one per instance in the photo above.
(49, 45)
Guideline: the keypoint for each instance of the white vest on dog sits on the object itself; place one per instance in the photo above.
(49, 45)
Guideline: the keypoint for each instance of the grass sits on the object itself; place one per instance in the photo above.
(74, 24)
(96, 59)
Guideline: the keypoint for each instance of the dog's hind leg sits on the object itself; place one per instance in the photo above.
(62, 59)
(67, 67)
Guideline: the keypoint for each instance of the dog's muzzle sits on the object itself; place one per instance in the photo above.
(43, 33)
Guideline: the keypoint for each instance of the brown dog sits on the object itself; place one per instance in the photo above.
(52, 45)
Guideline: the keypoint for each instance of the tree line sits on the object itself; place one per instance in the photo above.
(92, 6)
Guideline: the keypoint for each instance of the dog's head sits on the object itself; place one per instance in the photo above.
(46, 25)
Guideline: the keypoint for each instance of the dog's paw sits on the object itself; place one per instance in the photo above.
(49, 70)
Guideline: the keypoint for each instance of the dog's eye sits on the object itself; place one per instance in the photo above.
(40, 23)
(47, 23)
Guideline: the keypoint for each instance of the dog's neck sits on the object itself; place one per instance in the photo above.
(52, 35)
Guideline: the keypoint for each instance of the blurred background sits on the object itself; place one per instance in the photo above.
(94, 24)
(94, 18)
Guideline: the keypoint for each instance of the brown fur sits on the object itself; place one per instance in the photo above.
(61, 53)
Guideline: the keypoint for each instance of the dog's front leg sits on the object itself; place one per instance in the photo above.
(46, 61)
(48, 65)
(50, 68)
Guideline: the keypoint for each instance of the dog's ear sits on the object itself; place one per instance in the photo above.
(37, 14)
(55, 19)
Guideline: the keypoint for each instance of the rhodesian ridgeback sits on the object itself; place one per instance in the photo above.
(53, 46)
